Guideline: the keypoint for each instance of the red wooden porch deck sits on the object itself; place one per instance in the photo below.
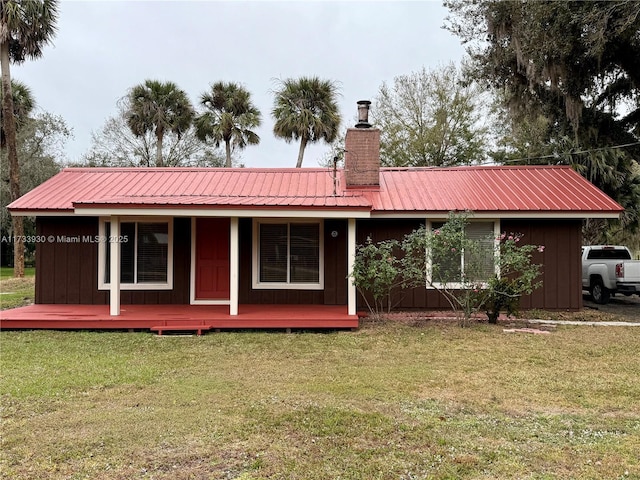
(145, 317)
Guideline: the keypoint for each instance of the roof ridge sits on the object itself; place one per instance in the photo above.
(306, 170)
(342, 195)
(198, 169)
(475, 167)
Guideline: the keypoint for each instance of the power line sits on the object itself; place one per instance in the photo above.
(580, 152)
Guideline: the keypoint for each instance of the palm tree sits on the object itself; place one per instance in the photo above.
(158, 107)
(23, 104)
(25, 29)
(229, 117)
(306, 109)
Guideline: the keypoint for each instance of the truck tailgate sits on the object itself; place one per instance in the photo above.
(631, 271)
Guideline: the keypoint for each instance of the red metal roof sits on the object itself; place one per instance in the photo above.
(480, 189)
(181, 187)
(489, 189)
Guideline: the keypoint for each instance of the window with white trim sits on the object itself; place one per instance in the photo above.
(288, 254)
(146, 254)
(478, 265)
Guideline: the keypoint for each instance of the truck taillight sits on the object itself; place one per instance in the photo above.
(619, 270)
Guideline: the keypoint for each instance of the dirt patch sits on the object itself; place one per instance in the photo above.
(619, 309)
(12, 284)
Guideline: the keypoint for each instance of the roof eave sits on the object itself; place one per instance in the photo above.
(224, 211)
(49, 212)
(507, 214)
(328, 212)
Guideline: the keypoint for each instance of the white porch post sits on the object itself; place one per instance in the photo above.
(234, 266)
(114, 246)
(351, 257)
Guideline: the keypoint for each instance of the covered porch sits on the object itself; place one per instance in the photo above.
(166, 318)
(237, 262)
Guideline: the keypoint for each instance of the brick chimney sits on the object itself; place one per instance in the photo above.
(362, 151)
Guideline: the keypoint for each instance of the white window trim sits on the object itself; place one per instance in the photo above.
(102, 247)
(255, 281)
(458, 285)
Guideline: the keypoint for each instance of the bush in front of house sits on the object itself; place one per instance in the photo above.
(473, 272)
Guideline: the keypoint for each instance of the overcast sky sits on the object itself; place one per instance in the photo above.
(103, 48)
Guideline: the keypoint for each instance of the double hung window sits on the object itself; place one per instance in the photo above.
(475, 263)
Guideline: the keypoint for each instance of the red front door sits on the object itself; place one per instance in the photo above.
(212, 258)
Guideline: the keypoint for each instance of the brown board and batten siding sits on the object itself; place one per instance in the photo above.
(335, 262)
(67, 271)
(561, 265)
(378, 230)
(562, 239)
(335, 271)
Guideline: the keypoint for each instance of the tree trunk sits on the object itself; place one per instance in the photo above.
(159, 136)
(492, 316)
(227, 146)
(9, 123)
(303, 145)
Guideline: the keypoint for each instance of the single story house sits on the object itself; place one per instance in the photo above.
(257, 247)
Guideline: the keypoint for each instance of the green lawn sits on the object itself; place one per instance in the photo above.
(389, 401)
(7, 272)
(16, 292)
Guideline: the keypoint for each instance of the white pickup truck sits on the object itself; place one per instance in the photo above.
(607, 270)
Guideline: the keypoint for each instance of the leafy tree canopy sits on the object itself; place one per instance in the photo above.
(568, 74)
(115, 145)
(430, 118)
(41, 142)
(26, 27)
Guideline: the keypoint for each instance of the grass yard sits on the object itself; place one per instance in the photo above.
(16, 292)
(390, 401)
(7, 272)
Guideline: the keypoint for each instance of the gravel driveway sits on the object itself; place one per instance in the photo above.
(627, 307)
